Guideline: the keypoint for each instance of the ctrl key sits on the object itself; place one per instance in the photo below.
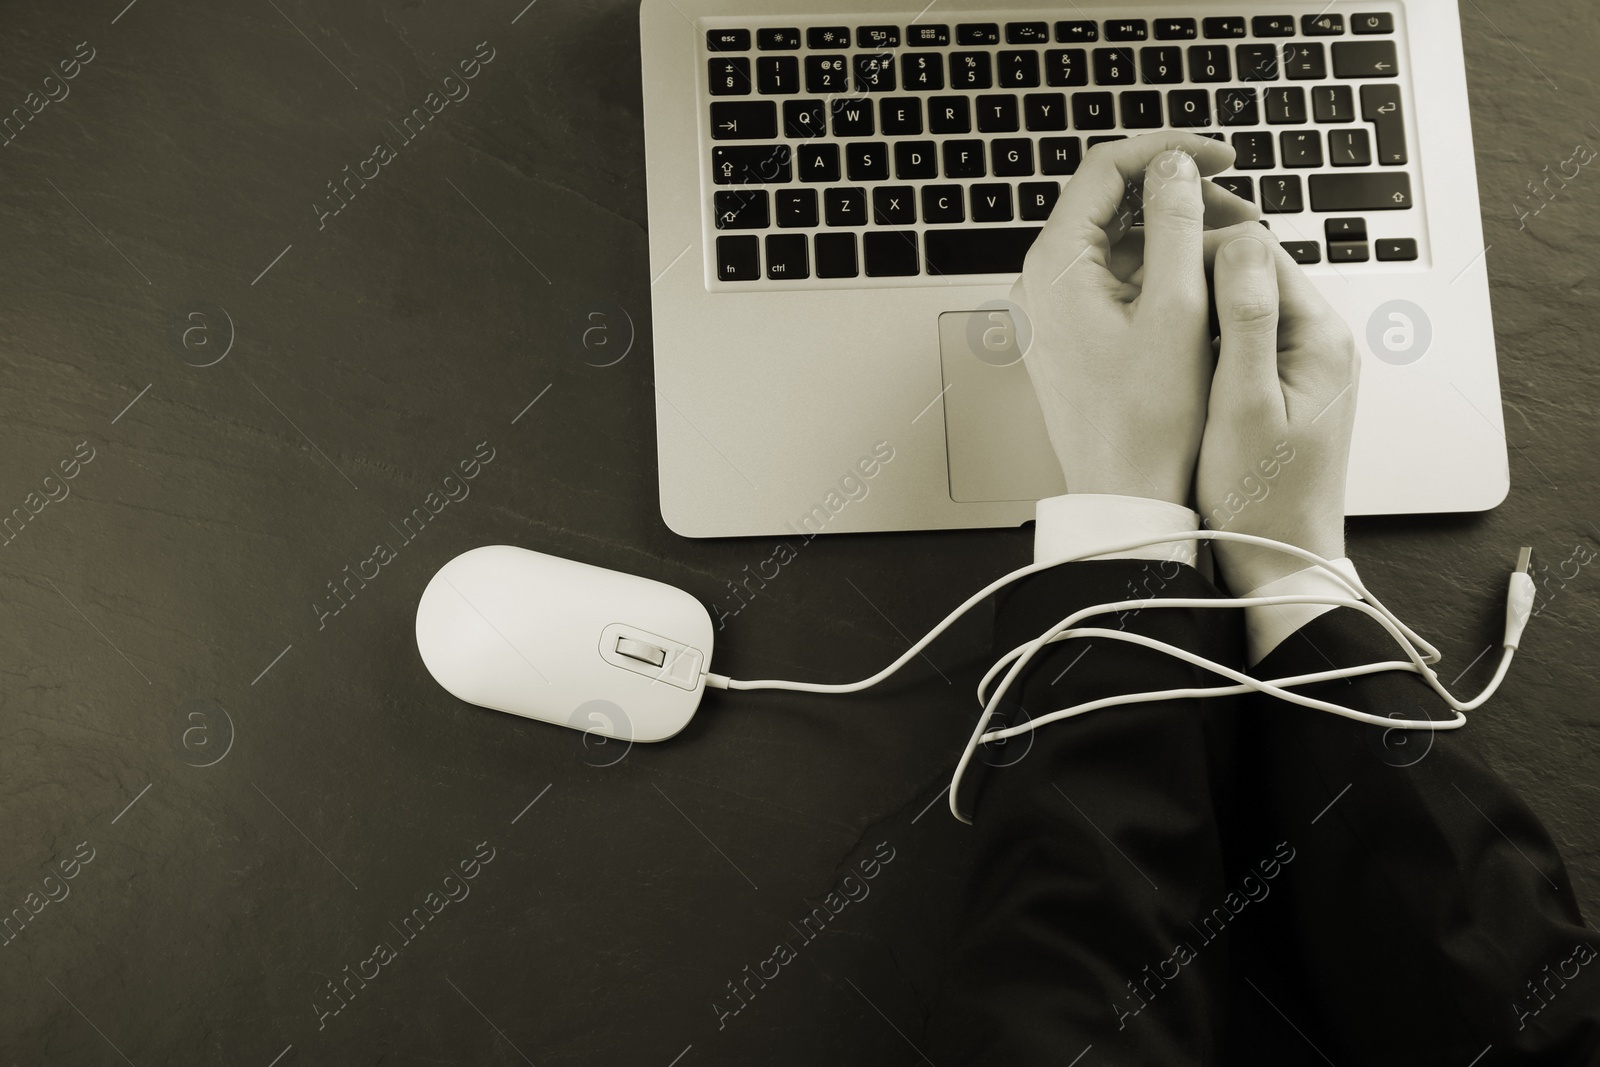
(739, 258)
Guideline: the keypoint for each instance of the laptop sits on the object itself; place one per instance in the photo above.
(841, 197)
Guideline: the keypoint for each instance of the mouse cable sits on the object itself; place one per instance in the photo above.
(1420, 654)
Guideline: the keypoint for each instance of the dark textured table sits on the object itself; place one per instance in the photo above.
(231, 373)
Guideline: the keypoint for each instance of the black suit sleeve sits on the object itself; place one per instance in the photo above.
(1429, 911)
(1098, 846)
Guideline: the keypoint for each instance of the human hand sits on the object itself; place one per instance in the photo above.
(1121, 353)
(1282, 407)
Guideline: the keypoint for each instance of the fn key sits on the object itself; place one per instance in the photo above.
(738, 258)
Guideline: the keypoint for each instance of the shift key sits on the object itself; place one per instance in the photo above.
(1370, 191)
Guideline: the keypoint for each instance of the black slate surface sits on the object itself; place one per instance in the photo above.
(253, 791)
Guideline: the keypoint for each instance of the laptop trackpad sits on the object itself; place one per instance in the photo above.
(995, 436)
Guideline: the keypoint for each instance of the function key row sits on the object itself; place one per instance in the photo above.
(1075, 31)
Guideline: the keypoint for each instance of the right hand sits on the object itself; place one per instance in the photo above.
(1282, 408)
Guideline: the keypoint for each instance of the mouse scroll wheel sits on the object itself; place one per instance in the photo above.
(641, 651)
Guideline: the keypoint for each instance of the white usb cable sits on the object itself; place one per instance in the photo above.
(1420, 655)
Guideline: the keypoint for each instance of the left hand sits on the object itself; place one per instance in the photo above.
(1121, 353)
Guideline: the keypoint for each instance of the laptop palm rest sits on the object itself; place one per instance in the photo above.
(994, 433)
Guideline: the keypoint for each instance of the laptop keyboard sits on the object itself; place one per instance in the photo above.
(923, 153)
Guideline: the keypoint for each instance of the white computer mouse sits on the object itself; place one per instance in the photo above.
(560, 641)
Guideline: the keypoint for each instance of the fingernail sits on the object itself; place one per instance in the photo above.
(1179, 164)
(1246, 252)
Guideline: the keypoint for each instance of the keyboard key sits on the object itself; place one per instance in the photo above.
(1333, 103)
(970, 70)
(1093, 111)
(787, 258)
(728, 40)
(744, 120)
(877, 36)
(1396, 249)
(1345, 229)
(804, 118)
(1322, 25)
(867, 161)
(874, 73)
(1066, 66)
(819, 162)
(844, 207)
(1258, 62)
(991, 203)
(1114, 66)
(1304, 62)
(894, 205)
(1365, 59)
(739, 258)
(922, 70)
(1012, 157)
(1209, 63)
(1141, 110)
(1035, 200)
(1380, 105)
(747, 209)
(836, 255)
(828, 37)
(950, 114)
(1272, 25)
(997, 114)
(1237, 184)
(1372, 22)
(1017, 70)
(1127, 29)
(943, 203)
(1044, 111)
(1161, 66)
(1281, 195)
(1077, 32)
(1060, 155)
(1027, 33)
(1102, 140)
(852, 118)
(1303, 252)
(795, 207)
(729, 77)
(964, 159)
(1237, 107)
(1300, 148)
(978, 33)
(997, 250)
(1349, 148)
(782, 39)
(777, 75)
(750, 164)
(1189, 108)
(892, 254)
(1287, 106)
(920, 36)
(826, 74)
(1361, 191)
(901, 116)
(1347, 251)
(1176, 30)
(1253, 151)
(1226, 26)
(915, 160)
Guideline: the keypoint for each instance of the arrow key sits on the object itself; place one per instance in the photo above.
(1365, 59)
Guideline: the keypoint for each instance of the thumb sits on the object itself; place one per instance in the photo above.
(1246, 284)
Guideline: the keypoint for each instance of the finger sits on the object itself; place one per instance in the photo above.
(1092, 201)
(1223, 208)
(1246, 283)
(1174, 247)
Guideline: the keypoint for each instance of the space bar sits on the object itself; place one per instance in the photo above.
(978, 251)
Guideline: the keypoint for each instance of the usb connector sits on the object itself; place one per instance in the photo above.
(1519, 598)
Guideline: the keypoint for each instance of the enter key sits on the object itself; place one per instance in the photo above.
(1380, 105)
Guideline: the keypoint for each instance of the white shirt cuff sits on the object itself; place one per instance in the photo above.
(1067, 527)
(1266, 626)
